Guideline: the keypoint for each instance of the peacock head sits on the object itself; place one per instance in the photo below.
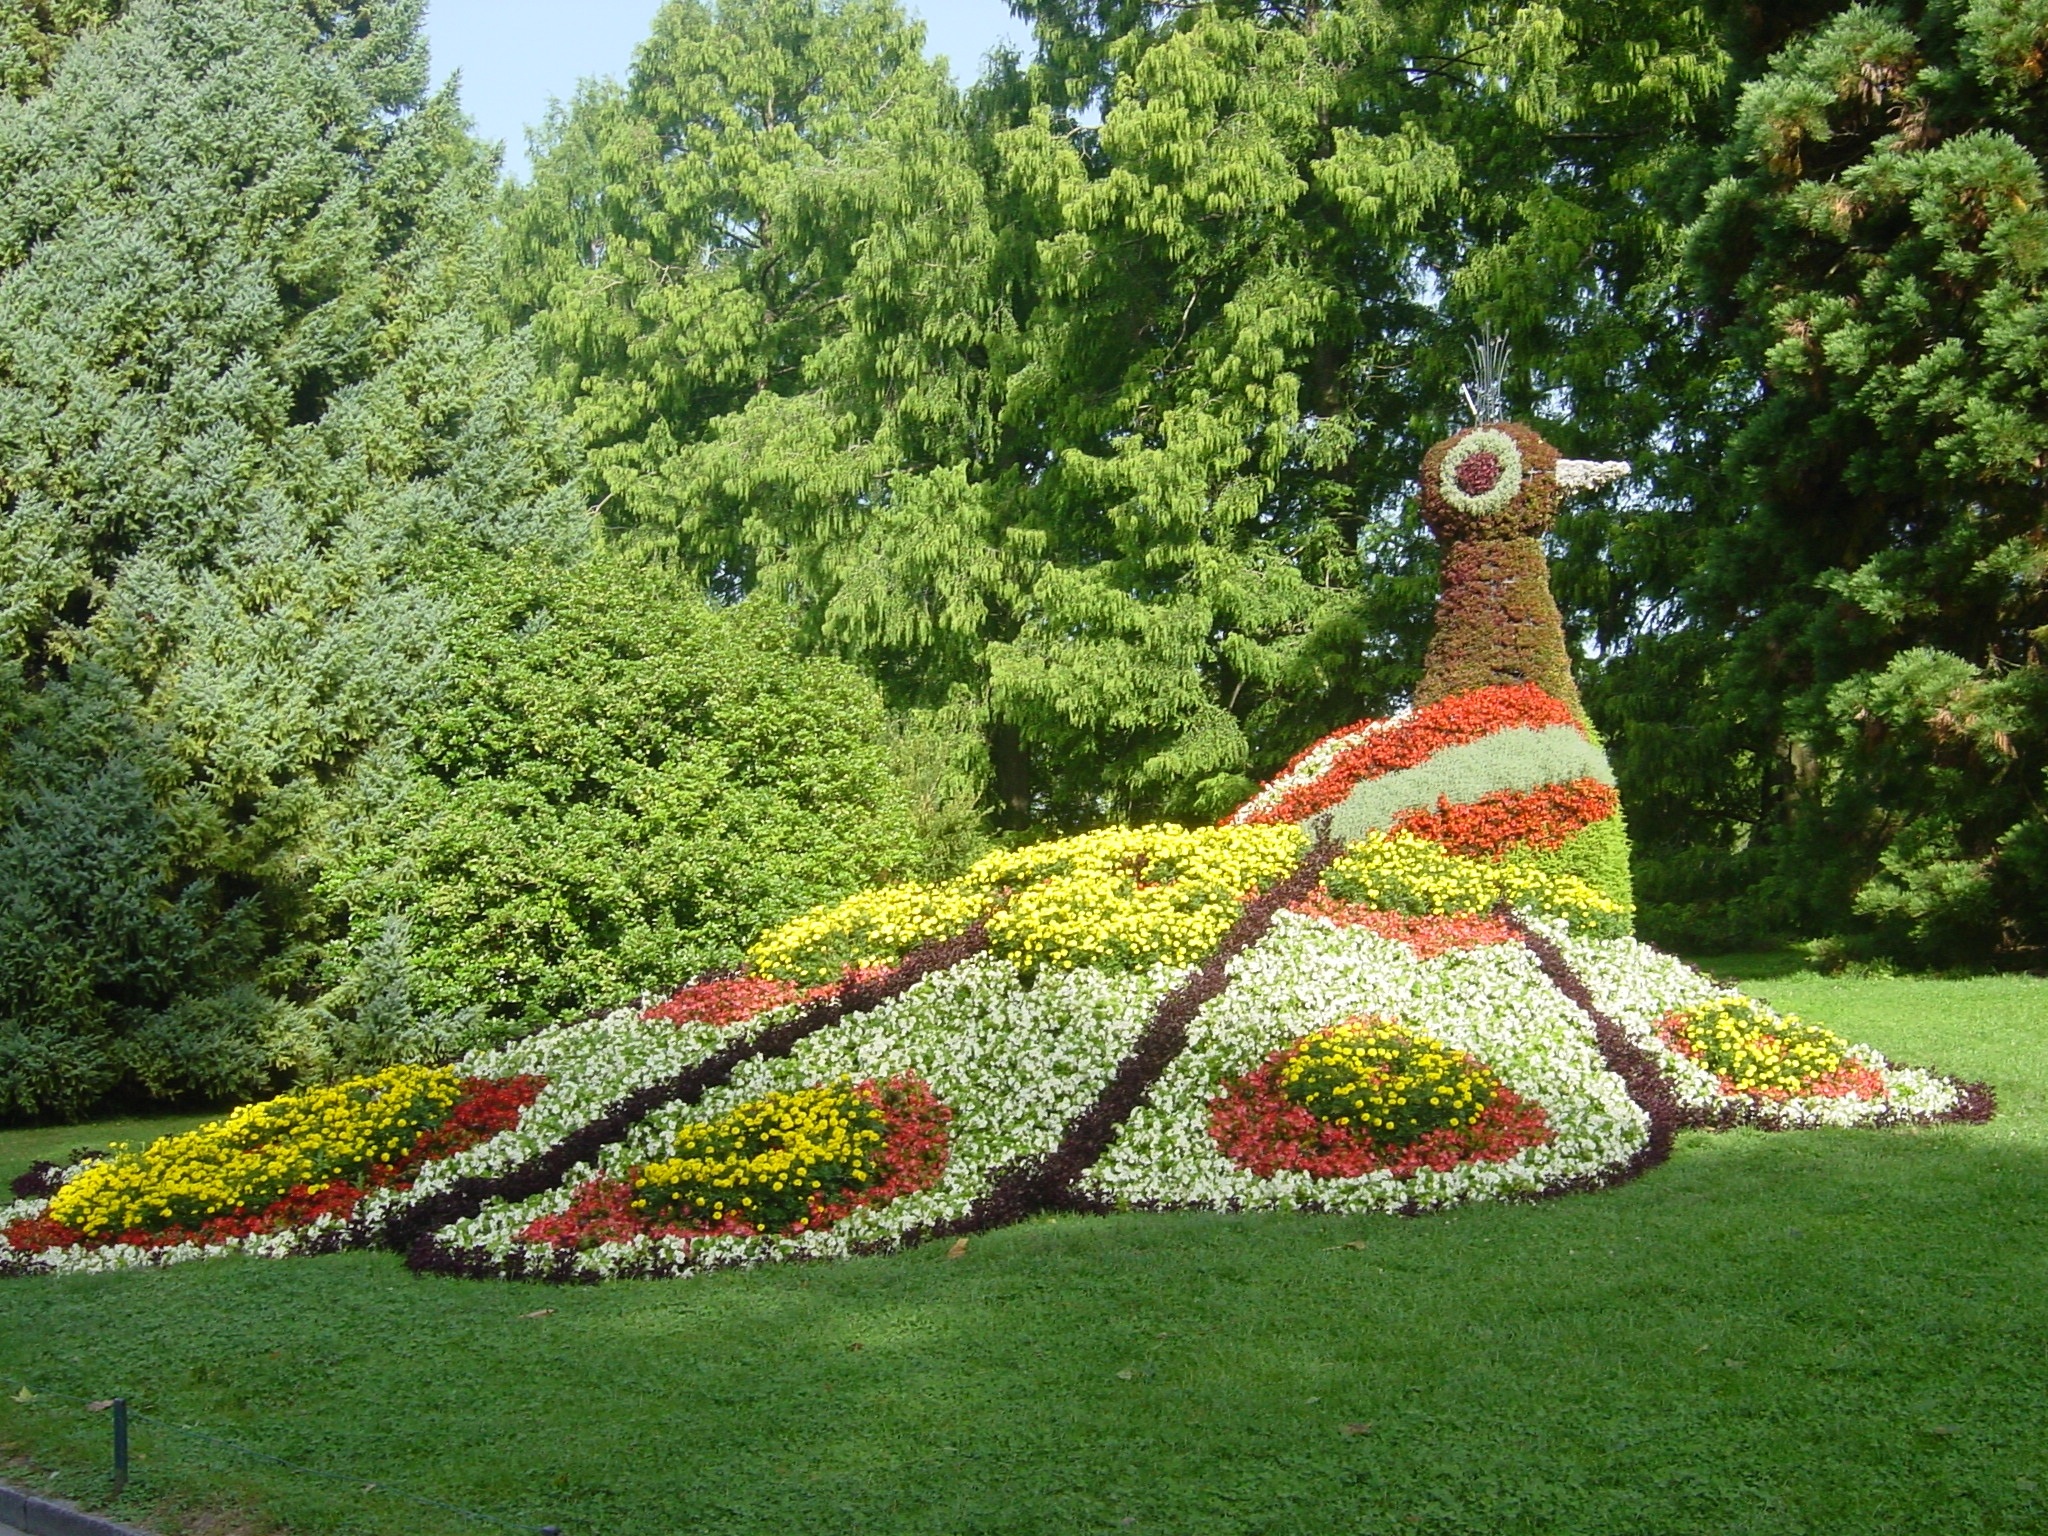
(1502, 481)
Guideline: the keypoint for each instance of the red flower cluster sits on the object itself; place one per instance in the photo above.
(916, 1145)
(1536, 818)
(488, 1105)
(1257, 1126)
(1479, 473)
(1452, 722)
(1427, 936)
(729, 1000)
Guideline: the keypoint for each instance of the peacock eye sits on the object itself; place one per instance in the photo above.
(1479, 474)
(1483, 472)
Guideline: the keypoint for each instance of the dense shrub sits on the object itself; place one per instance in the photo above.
(249, 402)
(618, 786)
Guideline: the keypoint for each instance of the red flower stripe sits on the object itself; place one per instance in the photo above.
(1257, 1126)
(1535, 818)
(1452, 722)
(488, 1105)
(1427, 936)
(916, 1146)
(730, 1000)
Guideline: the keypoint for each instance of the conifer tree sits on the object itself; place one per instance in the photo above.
(248, 400)
(1852, 723)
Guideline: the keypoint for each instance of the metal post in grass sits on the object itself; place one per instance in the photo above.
(120, 1444)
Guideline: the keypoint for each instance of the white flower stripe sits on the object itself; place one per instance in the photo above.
(1493, 1002)
(1638, 985)
(1015, 1063)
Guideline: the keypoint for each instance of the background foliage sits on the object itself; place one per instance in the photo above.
(615, 787)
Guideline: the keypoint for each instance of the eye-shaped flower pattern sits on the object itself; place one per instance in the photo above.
(1482, 473)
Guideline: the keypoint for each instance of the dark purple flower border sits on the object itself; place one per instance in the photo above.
(412, 1230)
(1638, 1069)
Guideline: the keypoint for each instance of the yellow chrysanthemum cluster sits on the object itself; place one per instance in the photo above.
(763, 1161)
(1394, 1084)
(876, 927)
(1400, 872)
(1130, 897)
(1754, 1049)
(1121, 897)
(259, 1154)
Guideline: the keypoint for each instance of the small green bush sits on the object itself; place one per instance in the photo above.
(619, 787)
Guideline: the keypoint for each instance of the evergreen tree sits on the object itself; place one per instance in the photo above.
(1852, 723)
(1099, 436)
(248, 403)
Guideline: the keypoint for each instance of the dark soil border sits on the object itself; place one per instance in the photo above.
(411, 1230)
(1638, 1069)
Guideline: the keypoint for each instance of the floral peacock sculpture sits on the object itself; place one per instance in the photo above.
(1398, 978)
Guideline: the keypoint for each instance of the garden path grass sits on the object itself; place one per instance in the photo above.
(1833, 1331)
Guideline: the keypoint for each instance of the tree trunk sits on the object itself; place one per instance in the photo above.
(1012, 766)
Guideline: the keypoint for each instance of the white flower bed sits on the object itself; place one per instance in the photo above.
(1636, 986)
(588, 1067)
(1310, 974)
(1015, 1063)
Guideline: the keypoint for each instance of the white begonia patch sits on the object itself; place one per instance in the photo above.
(1504, 450)
(1016, 1063)
(1493, 1002)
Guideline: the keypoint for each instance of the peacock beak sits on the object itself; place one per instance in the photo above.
(1576, 475)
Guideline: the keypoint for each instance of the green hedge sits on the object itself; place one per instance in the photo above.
(619, 787)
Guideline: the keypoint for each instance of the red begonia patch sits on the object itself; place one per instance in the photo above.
(916, 1145)
(1427, 936)
(1256, 1125)
(1544, 818)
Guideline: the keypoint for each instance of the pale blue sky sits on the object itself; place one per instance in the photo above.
(517, 55)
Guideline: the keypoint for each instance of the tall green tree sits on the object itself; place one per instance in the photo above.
(250, 400)
(1848, 733)
(1099, 435)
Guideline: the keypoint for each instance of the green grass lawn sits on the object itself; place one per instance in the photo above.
(1826, 1331)
(54, 1143)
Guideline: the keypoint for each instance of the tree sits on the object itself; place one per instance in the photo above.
(1863, 645)
(249, 404)
(616, 786)
(1099, 436)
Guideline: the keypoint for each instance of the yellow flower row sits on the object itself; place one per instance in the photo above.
(1754, 1049)
(259, 1153)
(763, 1161)
(1400, 872)
(1121, 897)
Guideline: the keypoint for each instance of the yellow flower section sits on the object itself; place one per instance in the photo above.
(1121, 897)
(259, 1154)
(762, 1162)
(1754, 1049)
(876, 927)
(1400, 872)
(1371, 1074)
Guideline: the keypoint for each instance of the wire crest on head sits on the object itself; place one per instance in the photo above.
(1486, 395)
